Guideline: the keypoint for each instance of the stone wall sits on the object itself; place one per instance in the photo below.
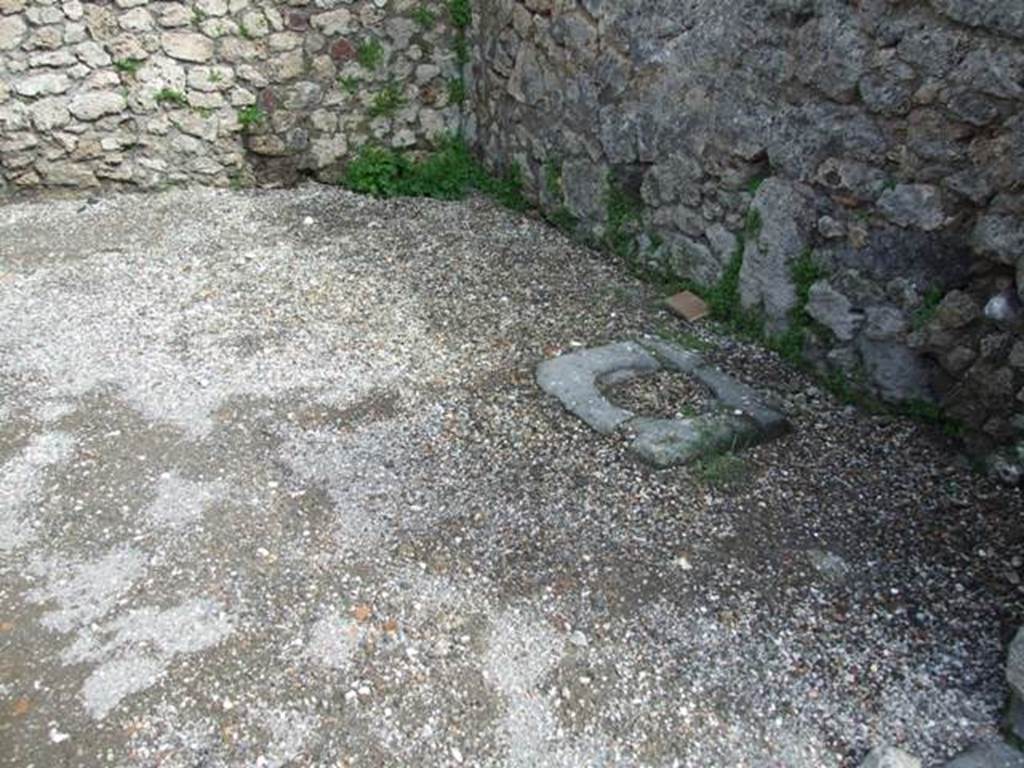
(881, 141)
(141, 93)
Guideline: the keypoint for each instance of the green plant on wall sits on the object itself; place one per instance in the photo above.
(251, 116)
(387, 101)
(461, 14)
(128, 66)
(623, 210)
(370, 54)
(424, 16)
(929, 306)
(349, 84)
(171, 96)
(553, 177)
(456, 90)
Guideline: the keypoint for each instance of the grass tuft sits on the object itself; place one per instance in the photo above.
(370, 54)
(724, 470)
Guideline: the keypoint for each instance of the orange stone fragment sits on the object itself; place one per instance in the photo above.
(688, 306)
(362, 612)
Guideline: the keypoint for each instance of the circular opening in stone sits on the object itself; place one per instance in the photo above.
(659, 395)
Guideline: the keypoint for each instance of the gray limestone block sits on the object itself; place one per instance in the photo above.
(730, 393)
(1015, 716)
(787, 217)
(670, 442)
(992, 754)
(573, 379)
(1015, 664)
(674, 357)
(890, 757)
(739, 397)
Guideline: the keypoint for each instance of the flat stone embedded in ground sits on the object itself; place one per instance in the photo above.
(739, 418)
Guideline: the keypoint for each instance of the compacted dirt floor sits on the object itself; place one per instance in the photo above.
(277, 487)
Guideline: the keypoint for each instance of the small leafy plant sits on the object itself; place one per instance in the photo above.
(449, 173)
(461, 14)
(128, 66)
(387, 101)
(425, 17)
(929, 306)
(370, 53)
(456, 91)
(349, 84)
(171, 96)
(251, 116)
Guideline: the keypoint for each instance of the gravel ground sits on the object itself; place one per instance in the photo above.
(277, 488)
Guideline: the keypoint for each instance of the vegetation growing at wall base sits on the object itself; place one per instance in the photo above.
(449, 173)
(723, 297)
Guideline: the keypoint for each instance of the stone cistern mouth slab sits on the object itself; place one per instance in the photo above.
(738, 416)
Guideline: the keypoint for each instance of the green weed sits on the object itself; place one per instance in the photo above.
(929, 306)
(128, 66)
(251, 116)
(425, 17)
(623, 210)
(553, 177)
(349, 84)
(456, 90)
(449, 173)
(370, 53)
(171, 96)
(461, 13)
(562, 218)
(722, 471)
(931, 413)
(387, 101)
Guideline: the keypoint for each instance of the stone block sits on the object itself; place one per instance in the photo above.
(187, 46)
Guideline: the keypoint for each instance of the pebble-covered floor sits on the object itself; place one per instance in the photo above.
(278, 487)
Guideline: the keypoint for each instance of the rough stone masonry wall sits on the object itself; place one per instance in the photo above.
(144, 93)
(884, 140)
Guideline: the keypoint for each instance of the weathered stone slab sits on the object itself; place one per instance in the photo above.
(187, 46)
(740, 419)
(730, 393)
(890, 757)
(573, 378)
(993, 754)
(671, 442)
(1015, 664)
